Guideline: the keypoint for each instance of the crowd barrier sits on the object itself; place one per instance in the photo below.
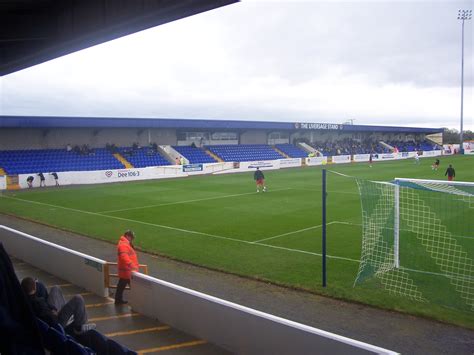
(234, 327)
(81, 269)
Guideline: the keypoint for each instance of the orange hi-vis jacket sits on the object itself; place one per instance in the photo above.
(127, 260)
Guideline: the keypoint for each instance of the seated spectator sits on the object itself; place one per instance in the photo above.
(68, 147)
(53, 308)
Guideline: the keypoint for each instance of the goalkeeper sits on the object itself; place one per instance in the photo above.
(260, 180)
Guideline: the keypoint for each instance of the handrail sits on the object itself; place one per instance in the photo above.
(108, 275)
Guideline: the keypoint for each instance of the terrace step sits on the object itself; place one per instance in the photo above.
(208, 152)
(281, 152)
(124, 161)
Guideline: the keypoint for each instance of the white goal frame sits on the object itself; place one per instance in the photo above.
(396, 226)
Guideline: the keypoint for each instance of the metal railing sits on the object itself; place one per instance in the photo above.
(112, 267)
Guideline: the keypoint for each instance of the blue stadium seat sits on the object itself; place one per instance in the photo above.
(115, 348)
(74, 348)
(96, 341)
(55, 342)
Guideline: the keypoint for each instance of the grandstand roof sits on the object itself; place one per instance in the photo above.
(35, 31)
(181, 123)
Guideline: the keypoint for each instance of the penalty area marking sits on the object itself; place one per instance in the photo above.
(181, 229)
(205, 234)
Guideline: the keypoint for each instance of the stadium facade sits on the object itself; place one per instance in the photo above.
(54, 132)
(91, 150)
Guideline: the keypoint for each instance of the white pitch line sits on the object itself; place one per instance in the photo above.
(209, 235)
(289, 233)
(178, 229)
(187, 201)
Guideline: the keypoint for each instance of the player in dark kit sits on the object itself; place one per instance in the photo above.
(29, 180)
(260, 180)
(450, 172)
(55, 176)
(42, 179)
(435, 165)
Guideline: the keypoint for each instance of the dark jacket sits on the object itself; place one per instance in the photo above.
(258, 175)
(19, 333)
(43, 310)
(450, 172)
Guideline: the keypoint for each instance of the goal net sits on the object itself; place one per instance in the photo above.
(418, 240)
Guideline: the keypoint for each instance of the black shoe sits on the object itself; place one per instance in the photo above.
(121, 302)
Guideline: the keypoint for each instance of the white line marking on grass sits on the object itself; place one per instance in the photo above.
(206, 234)
(289, 233)
(188, 201)
(179, 229)
(295, 232)
(404, 230)
(328, 191)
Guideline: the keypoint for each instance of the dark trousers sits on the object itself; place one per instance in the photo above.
(74, 308)
(120, 287)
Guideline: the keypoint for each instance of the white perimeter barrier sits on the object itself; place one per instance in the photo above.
(341, 159)
(240, 167)
(361, 157)
(239, 329)
(81, 269)
(3, 182)
(173, 171)
(316, 161)
(431, 153)
(234, 327)
(108, 176)
(290, 163)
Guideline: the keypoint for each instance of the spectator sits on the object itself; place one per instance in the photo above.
(68, 147)
(53, 309)
(127, 262)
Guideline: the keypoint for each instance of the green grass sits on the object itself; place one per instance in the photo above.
(221, 222)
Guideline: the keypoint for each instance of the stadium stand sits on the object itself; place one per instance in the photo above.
(348, 146)
(246, 152)
(34, 336)
(45, 160)
(412, 146)
(143, 157)
(292, 151)
(194, 155)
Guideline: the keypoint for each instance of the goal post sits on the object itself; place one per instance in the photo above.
(418, 240)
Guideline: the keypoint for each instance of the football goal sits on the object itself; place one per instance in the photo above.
(418, 240)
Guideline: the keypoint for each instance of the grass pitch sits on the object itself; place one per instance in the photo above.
(221, 222)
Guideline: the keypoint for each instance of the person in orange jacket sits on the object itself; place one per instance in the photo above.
(127, 262)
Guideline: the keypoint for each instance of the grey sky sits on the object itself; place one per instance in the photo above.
(378, 62)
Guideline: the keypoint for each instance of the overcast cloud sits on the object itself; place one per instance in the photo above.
(377, 62)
